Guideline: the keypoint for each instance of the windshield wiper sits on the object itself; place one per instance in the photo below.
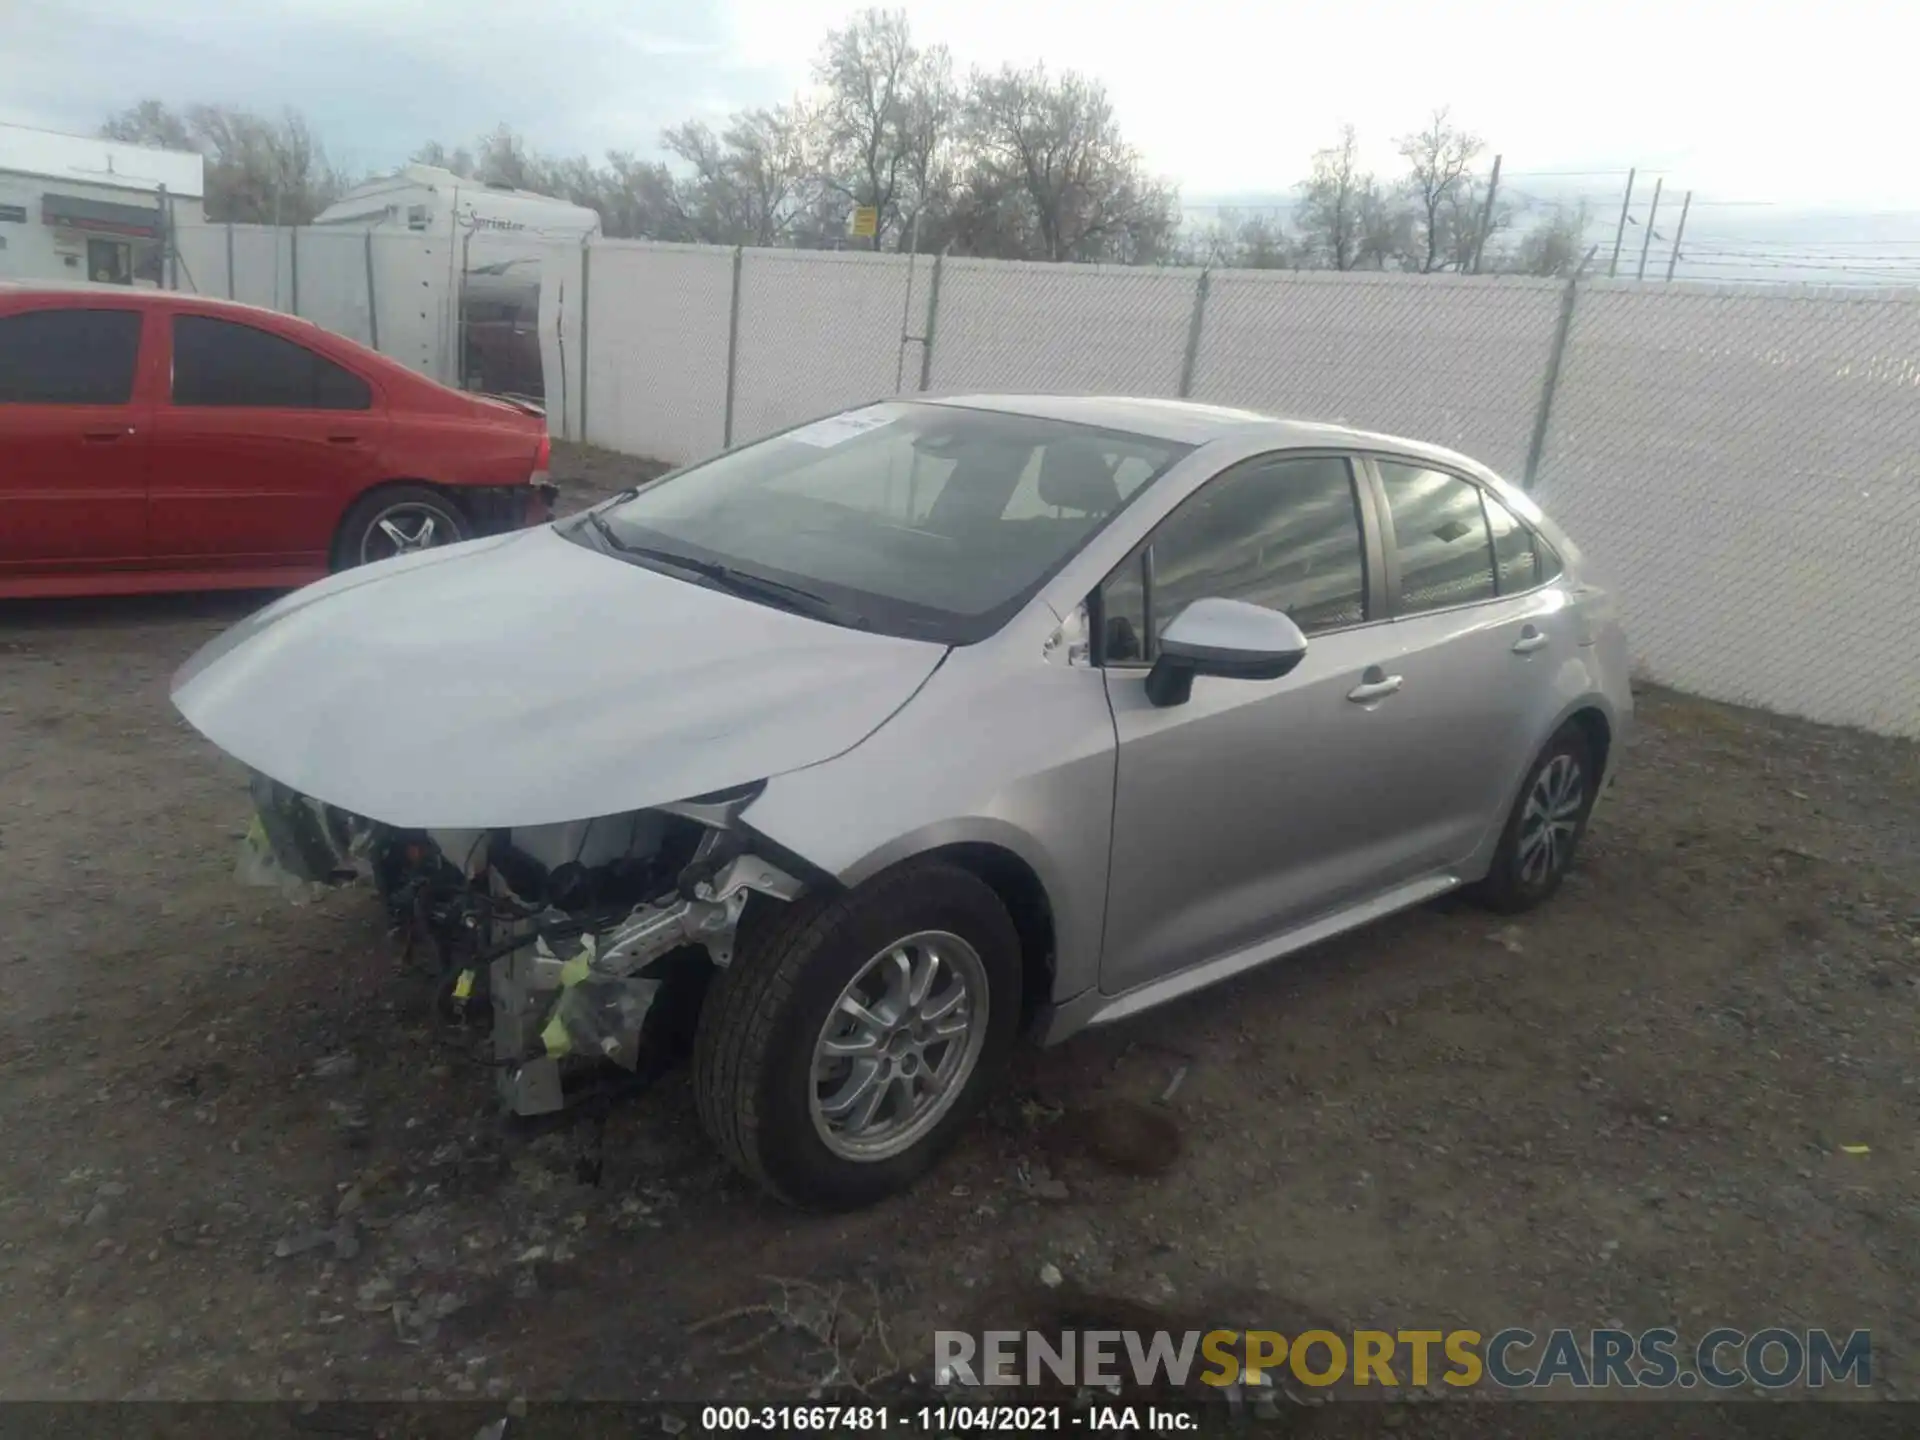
(738, 582)
(607, 532)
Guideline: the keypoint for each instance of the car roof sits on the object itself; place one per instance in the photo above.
(138, 295)
(1191, 422)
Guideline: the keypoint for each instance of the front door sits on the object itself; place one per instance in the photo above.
(264, 443)
(1256, 805)
(73, 441)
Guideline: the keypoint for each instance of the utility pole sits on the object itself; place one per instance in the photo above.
(1620, 234)
(1486, 215)
(1674, 258)
(1646, 241)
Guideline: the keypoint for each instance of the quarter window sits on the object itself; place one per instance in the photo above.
(1446, 557)
(224, 363)
(68, 357)
(1546, 558)
(1283, 533)
(1514, 560)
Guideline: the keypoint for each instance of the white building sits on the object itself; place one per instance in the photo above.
(73, 207)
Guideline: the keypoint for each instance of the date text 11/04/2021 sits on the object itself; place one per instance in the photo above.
(945, 1419)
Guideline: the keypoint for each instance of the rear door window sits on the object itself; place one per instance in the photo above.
(1440, 532)
(68, 357)
(222, 363)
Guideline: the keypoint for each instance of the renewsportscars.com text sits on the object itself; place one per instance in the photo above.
(1515, 1359)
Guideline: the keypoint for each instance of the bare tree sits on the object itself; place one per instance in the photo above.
(1440, 160)
(505, 159)
(640, 199)
(257, 170)
(887, 107)
(749, 185)
(1554, 246)
(1333, 201)
(1467, 223)
(460, 160)
(1050, 147)
(1242, 241)
(150, 123)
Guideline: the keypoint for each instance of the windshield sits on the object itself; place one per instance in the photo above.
(932, 521)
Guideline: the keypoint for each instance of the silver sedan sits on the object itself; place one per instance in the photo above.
(845, 758)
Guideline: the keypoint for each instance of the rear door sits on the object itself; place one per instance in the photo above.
(1479, 637)
(264, 442)
(73, 439)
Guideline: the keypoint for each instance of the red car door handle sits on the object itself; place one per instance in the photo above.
(343, 439)
(103, 435)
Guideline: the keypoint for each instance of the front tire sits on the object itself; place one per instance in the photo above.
(855, 1034)
(1548, 820)
(396, 520)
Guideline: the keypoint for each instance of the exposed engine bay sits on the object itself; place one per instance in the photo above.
(590, 942)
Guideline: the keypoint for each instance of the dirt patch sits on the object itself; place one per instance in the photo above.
(238, 1157)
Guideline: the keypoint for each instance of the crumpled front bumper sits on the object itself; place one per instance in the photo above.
(566, 994)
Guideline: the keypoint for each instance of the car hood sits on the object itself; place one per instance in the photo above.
(523, 680)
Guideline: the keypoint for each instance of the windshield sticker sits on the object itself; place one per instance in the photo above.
(837, 429)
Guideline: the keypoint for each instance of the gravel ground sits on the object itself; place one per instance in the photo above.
(1628, 1108)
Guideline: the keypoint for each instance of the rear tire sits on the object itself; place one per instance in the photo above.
(781, 1047)
(1544, 831)
(397, 519)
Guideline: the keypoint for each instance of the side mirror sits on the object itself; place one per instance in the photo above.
(1228, 638)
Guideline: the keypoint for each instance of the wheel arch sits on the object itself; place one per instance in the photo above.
(448, 493)
(1021, 891)
(1598, 729)
(994, 853)
(1594, 715)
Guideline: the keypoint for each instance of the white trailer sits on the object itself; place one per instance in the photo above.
(497, 238)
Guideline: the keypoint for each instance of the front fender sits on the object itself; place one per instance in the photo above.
(999, 747)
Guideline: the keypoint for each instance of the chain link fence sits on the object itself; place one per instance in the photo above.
(1745, 466)
(1453, 360)
(658, 326)
(854, 303)
(1106, 329)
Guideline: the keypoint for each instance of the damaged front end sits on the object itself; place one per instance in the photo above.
(590, 942)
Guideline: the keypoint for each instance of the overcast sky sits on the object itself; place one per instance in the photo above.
(1792, 101)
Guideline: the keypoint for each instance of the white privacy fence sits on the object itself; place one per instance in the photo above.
(1746, 466)
(1744, 463)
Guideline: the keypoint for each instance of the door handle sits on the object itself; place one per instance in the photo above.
(101, 436)
(1530, 640)
(1375, 684)
(343, 439)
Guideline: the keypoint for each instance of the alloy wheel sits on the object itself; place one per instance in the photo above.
(898, 1046)
(402, 529)
(1551, 819)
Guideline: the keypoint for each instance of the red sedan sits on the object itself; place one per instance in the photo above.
(158, 441)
